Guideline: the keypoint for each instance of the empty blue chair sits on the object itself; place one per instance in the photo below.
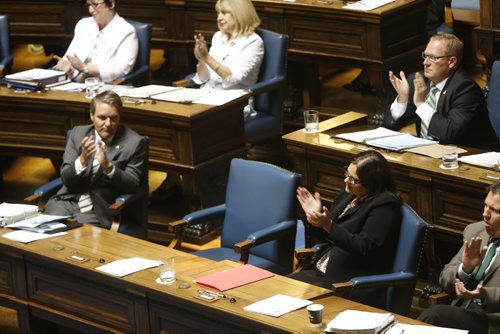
(5, 55)
(493, 101)
(259, 217)
(140, 75)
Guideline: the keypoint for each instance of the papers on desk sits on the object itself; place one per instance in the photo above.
(11, 212)
(41, 223)
(126, 267)
(367, 4)
(488, 159)
(418, 329)
(360, 322)
(27, 236)
(36, 77)
(70, 87)
(233, 278)
(386, 139)
(144, 92)
(196, 95)
(277, 305)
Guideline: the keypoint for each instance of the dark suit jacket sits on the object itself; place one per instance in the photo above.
(461, 117)
(127, 153)
(363, 241)
(491, 282)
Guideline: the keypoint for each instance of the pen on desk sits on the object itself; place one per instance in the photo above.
(212, 293)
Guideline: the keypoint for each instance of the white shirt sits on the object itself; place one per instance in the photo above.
(113, 49)
(243, 56)
(424, 111)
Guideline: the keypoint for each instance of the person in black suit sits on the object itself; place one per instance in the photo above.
(361, 227)
(458, 114)
(104, 159)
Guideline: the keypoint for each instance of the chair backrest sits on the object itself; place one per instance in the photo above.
(5, 55)
(260, 195)
(270, 103)
(493, 101)
(134, 218)
(140, 75)
(408, 253)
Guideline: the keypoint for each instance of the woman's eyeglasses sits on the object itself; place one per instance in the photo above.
(350, 179)
(94, 4)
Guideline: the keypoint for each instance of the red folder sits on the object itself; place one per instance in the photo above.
(233, 278)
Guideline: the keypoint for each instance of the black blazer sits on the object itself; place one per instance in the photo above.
(461, 117)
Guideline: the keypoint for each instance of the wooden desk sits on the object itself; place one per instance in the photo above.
(189, 139)
(387, 38)
(39, 281)
(447, 199)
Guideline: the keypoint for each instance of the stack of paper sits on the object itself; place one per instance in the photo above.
(144, 92)
(360, 322)
(42, 224)
(125, 267)
(488, 159)
(386, 139)
(419, 329)
(36, 78)
(277, 305)
(11, 213)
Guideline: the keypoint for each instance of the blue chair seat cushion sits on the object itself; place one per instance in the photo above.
(220, 254)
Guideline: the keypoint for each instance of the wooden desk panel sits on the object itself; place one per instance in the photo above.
(184, 138)
(447, 199)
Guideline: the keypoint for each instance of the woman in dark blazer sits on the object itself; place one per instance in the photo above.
(362, 227)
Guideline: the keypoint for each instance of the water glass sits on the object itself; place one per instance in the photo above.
(167, 271)
(311, 121)
(450, 156)
(91, 87)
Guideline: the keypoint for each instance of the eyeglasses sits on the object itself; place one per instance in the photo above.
(93, 4)
(432, 58)
(350, 179)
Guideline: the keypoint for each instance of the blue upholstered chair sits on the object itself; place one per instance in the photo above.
(130, 211)
(259, 217)
(400, 282)
(269, 90)
(5, 55)
(493, 101)
(140, 74)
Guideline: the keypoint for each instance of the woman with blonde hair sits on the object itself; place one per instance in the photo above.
(236, 52)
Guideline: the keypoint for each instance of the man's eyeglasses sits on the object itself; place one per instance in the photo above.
(94, 4)
(350, 179)
(432, 58)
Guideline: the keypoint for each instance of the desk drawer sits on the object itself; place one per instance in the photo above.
(77, 297)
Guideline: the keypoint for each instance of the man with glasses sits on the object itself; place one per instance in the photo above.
(104, 45)
(449, 106)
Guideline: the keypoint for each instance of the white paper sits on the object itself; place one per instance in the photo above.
(488, 159)
(220, 97)
(367, 4)
(277, 305)
(419, 329)
(183, 95)
(400, 142)
(362, 136)
(69, 87)
(352, 320)
(144, 92)
(126, 267)
(34, 74)
(36, 221)
(13, 209)
(27, 236)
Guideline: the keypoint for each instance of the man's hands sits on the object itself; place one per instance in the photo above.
(316, 213)
(402, 87)
(473, 254)
(91, 148)
(462, 292)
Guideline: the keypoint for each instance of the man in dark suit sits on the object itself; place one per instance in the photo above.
(449, 106)
(100, 162)
(473, 275)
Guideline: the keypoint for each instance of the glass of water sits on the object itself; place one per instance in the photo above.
(166, 271)
(311, 121)
(450, 157)
(91, 87)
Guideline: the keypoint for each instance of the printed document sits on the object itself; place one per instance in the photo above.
(277, 305)
(420, 329)
(352, 321)
(126, 267)
(367, 4)
(27, 236)
(488, 159)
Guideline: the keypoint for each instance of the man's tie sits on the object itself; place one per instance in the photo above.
(464, 303)
(85, 202)
(430, 99)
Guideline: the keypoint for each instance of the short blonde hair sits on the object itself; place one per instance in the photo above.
(243, 12)
(454, 46)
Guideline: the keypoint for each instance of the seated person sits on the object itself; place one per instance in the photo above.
(236, 52)
(449, 106)
(100, 162)
(473, 276)
(104, 45)
(362, 227)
